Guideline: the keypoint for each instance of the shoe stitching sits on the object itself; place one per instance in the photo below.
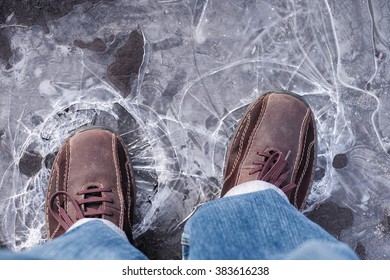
(67, 169)
(47, 215)
(251, 138)
(55, 231)
(298, 180)
(117, 172)
(129, 183)
(129, 178)
(57, 168)
(55, 174)
(300, 152)
(58, 185)
(299, 157)
(67, 166)
(239, 148)
(66, 180)
(304, 171)
(246, 119)
(241, 144)
(129, 203)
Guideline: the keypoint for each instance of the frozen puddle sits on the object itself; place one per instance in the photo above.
(174, 78)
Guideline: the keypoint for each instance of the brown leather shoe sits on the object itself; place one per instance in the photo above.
(91, 177)
(275, 141)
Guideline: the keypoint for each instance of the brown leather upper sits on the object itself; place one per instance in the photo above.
(93, 168)
(280, 122)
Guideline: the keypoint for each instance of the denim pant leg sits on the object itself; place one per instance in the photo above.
(257, 225)
(90, 241)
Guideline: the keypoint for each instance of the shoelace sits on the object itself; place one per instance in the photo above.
(89, 206)
(271, 169)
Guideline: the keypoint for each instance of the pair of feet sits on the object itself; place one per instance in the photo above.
(92, 175)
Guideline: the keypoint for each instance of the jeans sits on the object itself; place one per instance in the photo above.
(260, 224)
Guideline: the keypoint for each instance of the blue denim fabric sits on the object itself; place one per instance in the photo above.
(258, 225)
(93, 240)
